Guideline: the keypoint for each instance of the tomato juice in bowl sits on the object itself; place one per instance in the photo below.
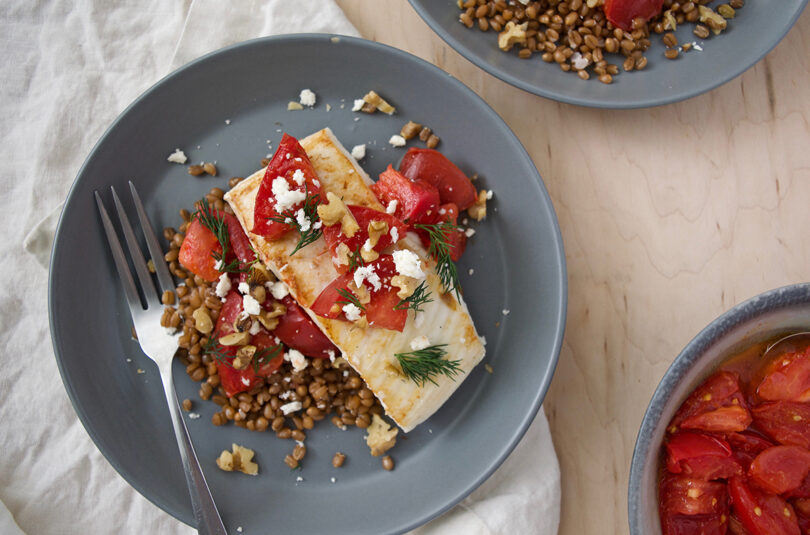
(742, 331)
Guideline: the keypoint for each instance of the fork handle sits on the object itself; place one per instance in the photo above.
(205, 511)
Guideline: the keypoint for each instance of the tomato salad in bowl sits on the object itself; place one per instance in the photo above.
(310, 291)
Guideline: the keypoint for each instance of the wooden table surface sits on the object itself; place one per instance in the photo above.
(670, 216)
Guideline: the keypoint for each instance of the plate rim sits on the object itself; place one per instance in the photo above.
(515, 81)
(561, 305)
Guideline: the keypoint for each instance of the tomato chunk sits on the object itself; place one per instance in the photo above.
(456, 239)
(701, 456)
(416, 201)
(288, 160)
(780, 469)
(746, 446)
(622, 12)
(690, 525)
(435, 168)
(786, 422)
(761, 513)
(683, 495)
(717, 405)
(197, 251)
(297, 330)
(787, 378)
(334, 237)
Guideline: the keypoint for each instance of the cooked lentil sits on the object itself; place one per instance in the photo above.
(338, 460)
(388, 463)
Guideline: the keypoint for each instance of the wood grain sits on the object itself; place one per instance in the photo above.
(670, 216)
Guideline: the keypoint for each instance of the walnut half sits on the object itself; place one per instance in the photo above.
(238, 459)
(512, 35)
(381, 436)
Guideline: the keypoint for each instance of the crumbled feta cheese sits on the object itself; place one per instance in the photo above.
(193, 415)
(328, 107)
(299, 479)
(697, 46)
(359, 151)
(239, 529)
(420, 342)
(392, 206)
(278, 290)
(367, 273)
(227, 121)
(394, 235)
(285, 199)
(578, 61)
(367, 245)
(505, 311)
(291, 407)
(245, 381)
(177, 156)
(223, 286)
(285, 395)
(470, 271)
(408, 264)
(298, 360)
(219, 265)
(251, 306)
(331, 353)
(332, 479)
(303, 221)
(244, 288)
(484, 340)
(352, 311)
(489, 194)
(358, 104)
(307, 98)
(255, 327)
(469, 232)
(397, 141)
(298, 176)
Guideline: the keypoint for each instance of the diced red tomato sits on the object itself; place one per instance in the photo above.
(746, 446)
(196, 253)
(780, 469)
(380, 310)
(622, 12)
(701, 456)
(735, 527)
(802, 507)
(417, 202)
(435, 168)
(787, 378)
(232, 380)
(334, 237)
(717, 405)
(786, 422)
(682, 495)
(297, 330)
(456, 239)
(761, 513)
(690, 525)
(289, 158)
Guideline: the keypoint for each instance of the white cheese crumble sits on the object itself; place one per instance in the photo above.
(578, 61)
(489, 194)
(278, 290)
(303, 220)
(397, 141)
(331, 353)
(352, 311)
(298, 176)
(223, 286)
(408, 264)
(505, 311)
(367, 245)
(394, 235)
(359, 151)
(255, 327)
(420, 342)
(469, 232)
(358, 104)
(193, 415)
(285, 199)
(299, 479)
(244, 288)
(285, 395)
(298, 360)
(245, 381)
(367, 273)
(177, 156)
(470, 271)
(392, 207)
(251, 306)
(291, 407)
(307, 98)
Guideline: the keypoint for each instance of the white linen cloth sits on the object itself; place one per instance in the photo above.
(70, 68)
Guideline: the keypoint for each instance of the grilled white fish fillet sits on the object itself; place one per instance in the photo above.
(369, 350)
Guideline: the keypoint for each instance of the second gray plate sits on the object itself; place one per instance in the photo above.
(225, 107)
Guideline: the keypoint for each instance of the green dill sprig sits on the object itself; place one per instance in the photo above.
(310, 208)
(440, 250)
(260, 358)
(216, 224)
(419, 297)
(423, 365)
(350, 299)
(356, 259)
(215, 349)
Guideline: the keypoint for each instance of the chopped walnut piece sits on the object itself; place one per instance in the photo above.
(713, 20)
(235, 339)
(239, 459)
(407, 285)
(369, 255)
(294, 106)
(342, 254)
(334, 211)
(376, 228)
(478, 210)
(381, 436)
(512, 35)
(378, 102)
(243, 357)
(361, 292)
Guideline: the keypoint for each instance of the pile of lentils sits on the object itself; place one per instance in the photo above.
(324, 388)
(576, 35)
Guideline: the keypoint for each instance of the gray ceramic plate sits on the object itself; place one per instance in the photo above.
(517, 256)
(758, 27)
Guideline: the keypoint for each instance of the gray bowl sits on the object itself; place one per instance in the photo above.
(766, 315)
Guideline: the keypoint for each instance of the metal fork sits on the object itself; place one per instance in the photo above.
(158, 344)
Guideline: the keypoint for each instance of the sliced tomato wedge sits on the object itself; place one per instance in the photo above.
(761, 513)
(196, 253)
(456, 239)
(334, 236)
(780, 469)
(288, 158)
(786, 422)
(435, 168)
(622, 12)
(746, 446)
(690, 525)
(380, 311)
(717, 405)
(297, 330)
(683, 495)
(701, 456)
(787, 378)
(416, 201)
